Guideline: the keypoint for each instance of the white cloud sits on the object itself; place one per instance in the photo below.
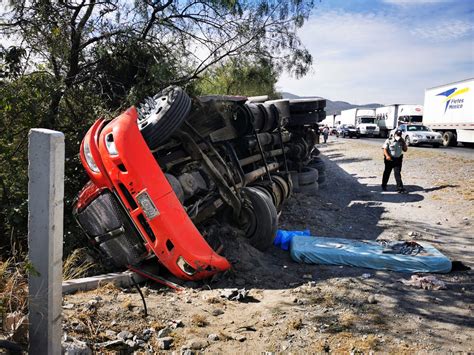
(366, 58)
(444, 30)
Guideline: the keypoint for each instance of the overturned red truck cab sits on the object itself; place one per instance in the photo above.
(162, 177)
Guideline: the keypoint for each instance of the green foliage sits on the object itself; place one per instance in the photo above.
(239, 77)
(79, 60)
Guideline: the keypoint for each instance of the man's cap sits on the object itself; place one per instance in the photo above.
(398, 132)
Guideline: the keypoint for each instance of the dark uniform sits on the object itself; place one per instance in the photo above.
(395, 150)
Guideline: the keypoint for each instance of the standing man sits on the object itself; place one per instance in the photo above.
(393, 149)
(325, 133)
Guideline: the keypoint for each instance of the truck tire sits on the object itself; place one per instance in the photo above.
(261, 217)
(160, 116)
(449, 139)
(307, 176)
(318, 164)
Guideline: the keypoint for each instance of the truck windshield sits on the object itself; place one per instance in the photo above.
(411, 119)
(367, 119)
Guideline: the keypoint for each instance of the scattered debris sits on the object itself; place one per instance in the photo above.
(163, 333)
(178, 323)
(366, 276)
(165, 343)
(213, 337)
(73, 346)
(124, 335)
(424, 282)
(235, 294)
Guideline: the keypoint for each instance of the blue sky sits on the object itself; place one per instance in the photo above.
(385, 51)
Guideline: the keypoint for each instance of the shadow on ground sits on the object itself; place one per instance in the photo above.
(350, 209)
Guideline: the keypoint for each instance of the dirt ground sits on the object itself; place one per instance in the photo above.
(294, 308)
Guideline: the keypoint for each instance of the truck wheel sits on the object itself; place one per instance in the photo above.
(318, 164)
(307, 176)
(449, 139)
(161, 115)
(259, 217)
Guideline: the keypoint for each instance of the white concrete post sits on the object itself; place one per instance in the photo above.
(45, 239)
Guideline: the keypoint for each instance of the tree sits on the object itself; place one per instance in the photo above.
(67, 36)
(239, 76)
(71, 61)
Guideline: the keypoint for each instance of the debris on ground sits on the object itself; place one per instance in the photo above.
(425, 282)
(235, 294)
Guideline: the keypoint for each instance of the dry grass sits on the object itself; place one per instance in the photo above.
(76, 265)
(295, 324)
(347, 319)
(127, 304)
(199, 320)
(346, 342)
(13, 286)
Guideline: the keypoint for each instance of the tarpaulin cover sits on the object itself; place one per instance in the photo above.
(283, 237)
(395, 256)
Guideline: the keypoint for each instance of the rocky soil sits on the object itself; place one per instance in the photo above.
(268, 303)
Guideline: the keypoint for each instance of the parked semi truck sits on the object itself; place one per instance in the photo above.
(449, 110)
(363, 119)
(391, 116)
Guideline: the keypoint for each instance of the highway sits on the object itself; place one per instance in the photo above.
(458, 151)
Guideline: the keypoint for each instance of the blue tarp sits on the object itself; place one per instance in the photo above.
(369, 254)
(283, 237)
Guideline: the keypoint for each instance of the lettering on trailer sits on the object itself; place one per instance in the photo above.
(451, 103)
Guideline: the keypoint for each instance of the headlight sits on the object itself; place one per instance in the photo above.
(418, 136)
(110, 144)
(89, 159)
(185, 267)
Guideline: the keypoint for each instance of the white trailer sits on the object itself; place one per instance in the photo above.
(391, 116)
(363, 119)
(449, 110)
(328, 121)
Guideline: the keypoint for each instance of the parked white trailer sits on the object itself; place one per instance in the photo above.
(363, 119)
(449, 110)
(329, 121)
(391, 116)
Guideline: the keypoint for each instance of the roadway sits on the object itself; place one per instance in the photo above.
(458, 151)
